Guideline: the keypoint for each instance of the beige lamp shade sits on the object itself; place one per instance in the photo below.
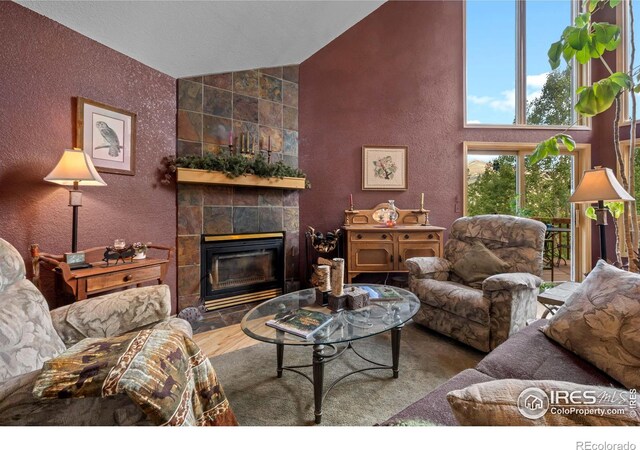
(75, 165)
(599, 184)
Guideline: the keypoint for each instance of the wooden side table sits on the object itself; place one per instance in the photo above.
(99, 279)
(552, 299)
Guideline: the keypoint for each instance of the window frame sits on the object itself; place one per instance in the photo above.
(622, 58)
(582, 76)
(582, 153)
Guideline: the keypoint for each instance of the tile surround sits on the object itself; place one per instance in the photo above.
(262, 102)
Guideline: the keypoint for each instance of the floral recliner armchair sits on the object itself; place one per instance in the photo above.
(30, 335)
(485, 313)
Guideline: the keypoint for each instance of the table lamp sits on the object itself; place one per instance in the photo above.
(73, 169)
(600, 185)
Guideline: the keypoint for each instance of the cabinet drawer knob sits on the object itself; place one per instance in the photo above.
(406, 236)
(430, 236)
(359, 236)
(384, 236)
(128, 277)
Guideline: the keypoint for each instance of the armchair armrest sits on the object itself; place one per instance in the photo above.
(112, 314)
(428, 267)
(511, 281)
(513, 302)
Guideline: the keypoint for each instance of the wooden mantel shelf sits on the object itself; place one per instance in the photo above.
(197, 176)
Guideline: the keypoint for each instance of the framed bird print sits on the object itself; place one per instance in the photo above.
(384, 168)
(107, 135)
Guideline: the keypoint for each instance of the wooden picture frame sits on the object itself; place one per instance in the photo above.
(108, 135)
(384, 168)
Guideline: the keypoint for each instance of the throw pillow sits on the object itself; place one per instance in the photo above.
(27, 335)
(477, 264)
(600, 323)
(501, 402)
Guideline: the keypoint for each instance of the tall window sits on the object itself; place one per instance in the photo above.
(626, 51)
(500, 179)
(508, 79)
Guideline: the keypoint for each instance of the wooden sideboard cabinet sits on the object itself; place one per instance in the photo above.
(101, 278)
(372, 247)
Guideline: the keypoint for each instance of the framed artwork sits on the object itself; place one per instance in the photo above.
(384, 168)
(107, 135)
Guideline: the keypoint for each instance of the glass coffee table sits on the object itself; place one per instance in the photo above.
(336, 338)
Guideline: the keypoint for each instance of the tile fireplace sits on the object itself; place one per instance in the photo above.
(241, 268)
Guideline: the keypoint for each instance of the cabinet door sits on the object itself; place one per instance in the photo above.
(371, 257)
(408, 250)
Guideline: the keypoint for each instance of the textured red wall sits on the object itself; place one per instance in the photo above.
(43, 67)
(395, 78)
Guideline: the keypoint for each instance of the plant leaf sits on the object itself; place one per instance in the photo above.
(554, 54)
(567, 141)
(590, 212)
(614, 3)
(578, 38)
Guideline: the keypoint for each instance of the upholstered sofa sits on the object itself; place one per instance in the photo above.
(30, 334)
(485, 312)
(589, 347)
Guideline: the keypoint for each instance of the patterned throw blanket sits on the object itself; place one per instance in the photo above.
(163, 372)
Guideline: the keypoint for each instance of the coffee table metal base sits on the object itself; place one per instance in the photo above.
(323, 354)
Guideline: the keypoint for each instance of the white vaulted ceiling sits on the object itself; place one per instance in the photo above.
(184, 38)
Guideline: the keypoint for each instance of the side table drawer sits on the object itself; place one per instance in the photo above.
(123, 278)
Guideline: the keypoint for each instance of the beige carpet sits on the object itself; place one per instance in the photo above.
(257, 397)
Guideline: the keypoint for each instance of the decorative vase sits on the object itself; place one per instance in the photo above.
(392, 216)
(140, 254)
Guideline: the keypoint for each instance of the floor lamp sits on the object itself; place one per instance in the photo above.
(600, 185)
(75, 168)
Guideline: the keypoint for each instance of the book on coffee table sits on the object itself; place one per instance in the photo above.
(301, 322)
(381, 293)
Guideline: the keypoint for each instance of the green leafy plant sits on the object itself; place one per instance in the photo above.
(232, 165)
(588, 40)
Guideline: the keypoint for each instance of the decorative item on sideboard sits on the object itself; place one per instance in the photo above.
(118, 253)
(141, 249)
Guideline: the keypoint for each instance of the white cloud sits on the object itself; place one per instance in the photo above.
(506, 102)
(473, 122)
(537, 81)
(507, 99)
(535, 84)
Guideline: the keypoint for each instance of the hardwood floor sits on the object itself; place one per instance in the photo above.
(223, 340)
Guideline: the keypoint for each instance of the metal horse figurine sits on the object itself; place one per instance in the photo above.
(118, 254)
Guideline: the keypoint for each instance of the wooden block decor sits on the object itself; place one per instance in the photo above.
(356, 298)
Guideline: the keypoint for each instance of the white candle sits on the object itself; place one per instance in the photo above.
(422, 201)
(337, 277)
(324, 277)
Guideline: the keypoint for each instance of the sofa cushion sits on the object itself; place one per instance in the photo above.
(113, 314)
(477, 264)
(530, 355)
(434, 406)
(600, 323)
(498, 403)
(11, 265)
(458, 299)
(27, 336)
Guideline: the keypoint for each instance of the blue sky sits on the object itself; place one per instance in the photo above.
(491, 54)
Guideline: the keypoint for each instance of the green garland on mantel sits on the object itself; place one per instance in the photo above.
(232, 165)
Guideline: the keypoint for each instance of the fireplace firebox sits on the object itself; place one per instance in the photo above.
(241, 268)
